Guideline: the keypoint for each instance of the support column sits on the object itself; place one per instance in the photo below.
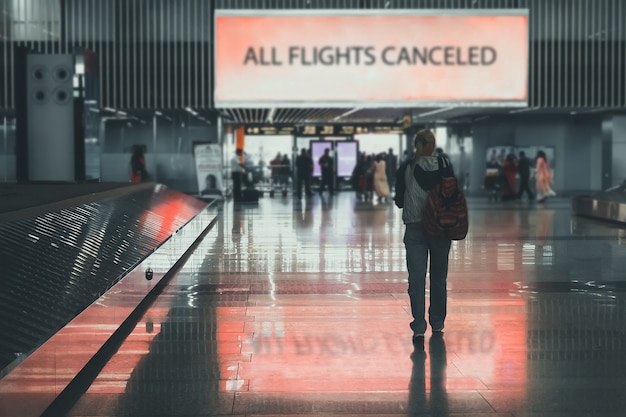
(49, 111)
(607, 151)
(618, 150)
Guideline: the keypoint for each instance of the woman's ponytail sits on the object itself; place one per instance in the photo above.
(422, 138)
(418, 153)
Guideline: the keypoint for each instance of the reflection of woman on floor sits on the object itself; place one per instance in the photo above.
(543, 176)
(419, 403)
(543, 228)
(381, 186)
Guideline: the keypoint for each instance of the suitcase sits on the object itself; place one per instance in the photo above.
(250, 195)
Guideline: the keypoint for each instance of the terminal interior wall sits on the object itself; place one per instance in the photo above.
(577, 144)
(169, 149)
(577, 141)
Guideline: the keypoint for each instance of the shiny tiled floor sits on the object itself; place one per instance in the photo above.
(293, 308)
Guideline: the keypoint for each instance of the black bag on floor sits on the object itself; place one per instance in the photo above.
(250, 195)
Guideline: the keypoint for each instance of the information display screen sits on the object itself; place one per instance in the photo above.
(317, 150)
(347, 157)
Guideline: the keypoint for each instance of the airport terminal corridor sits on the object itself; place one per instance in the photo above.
(293, 308)
(154, 258)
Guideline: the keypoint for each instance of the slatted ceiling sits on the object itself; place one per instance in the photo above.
(392, 116)
(329, 115)
(383, 113)
(263, 115)
(316, 114)
(253, 114)
(158, 54)
(282, 115)
(303, 115)
(286, 115)
(290, 115)
(323, 114)
(155, 54)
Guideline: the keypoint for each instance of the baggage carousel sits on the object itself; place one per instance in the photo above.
(79, 263)
(607, 205)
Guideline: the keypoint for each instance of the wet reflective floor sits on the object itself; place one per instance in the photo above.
(300, 308)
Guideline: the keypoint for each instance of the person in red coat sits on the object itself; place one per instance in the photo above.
(138, 171)
(509, 172)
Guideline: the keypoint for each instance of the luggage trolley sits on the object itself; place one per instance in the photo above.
(492, 183)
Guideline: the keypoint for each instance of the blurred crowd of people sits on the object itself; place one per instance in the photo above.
(507, 168)
(375, 175)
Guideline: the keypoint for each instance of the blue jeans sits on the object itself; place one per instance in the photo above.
(418, 248)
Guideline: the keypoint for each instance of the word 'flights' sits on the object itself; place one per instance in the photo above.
(368, 55)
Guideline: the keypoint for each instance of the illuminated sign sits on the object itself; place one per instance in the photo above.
(363, 58)
(269, 130)
(347, 130)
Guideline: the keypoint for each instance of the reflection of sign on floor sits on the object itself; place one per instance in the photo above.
(366, 345)
(330, 344)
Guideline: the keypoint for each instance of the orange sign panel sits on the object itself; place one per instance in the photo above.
(370, 59)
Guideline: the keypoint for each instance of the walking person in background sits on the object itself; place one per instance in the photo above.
(358, 177)
(138, 171)
(328, 172)
(392, 168)
(523, 168)
(543, 177)
(509, 172)
(311, 167)
(237, 171)
(285, 171)
(275, 169)
(304, 166)
(369, 177)
(418, 178)
(440, 152)
(407, 156)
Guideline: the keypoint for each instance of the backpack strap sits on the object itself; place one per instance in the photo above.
(445, 167)
(440, 164)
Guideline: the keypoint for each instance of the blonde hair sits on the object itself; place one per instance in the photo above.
(421, 139)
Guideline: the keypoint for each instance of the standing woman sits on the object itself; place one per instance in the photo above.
(543, 176)
(420, 176)
(381, 186)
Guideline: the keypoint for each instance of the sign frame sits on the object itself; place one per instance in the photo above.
(496, 103)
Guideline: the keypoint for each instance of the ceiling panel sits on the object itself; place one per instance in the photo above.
(419, 115)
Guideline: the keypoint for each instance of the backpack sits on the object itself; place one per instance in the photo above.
(400, 186)
(445, 215)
